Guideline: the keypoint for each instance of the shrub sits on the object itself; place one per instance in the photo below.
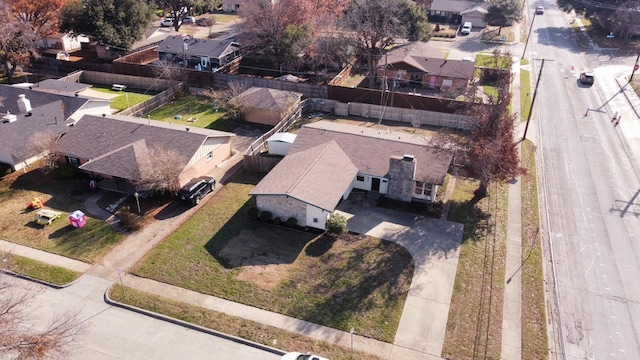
(337, 224)
(130, 220)
(266, 216)
(292, 222)
(253, 212)
(277, 221)
(66, 171)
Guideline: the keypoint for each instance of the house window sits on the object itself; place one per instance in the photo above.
(401, 74)
(422, 190)
(447, 82)
(315, 220)
(209, 155)
(73, 161)
(360, 178)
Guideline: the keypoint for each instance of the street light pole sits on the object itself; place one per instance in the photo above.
(635, 67)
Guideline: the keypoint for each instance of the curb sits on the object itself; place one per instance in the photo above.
(623, 89)
(39, 281)
(190, 326)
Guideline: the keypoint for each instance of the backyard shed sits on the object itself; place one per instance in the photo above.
(267, 106)
(280, 143)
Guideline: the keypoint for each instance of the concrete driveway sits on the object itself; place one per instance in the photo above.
(434, 245)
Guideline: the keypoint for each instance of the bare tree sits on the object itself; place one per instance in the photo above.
(17, 41)
(208, 22)
(45, 145)
(228, 97)
(18, 340)
(161, 170)
(169, 70)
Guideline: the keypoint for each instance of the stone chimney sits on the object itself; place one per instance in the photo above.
(24, 104)
(402, 171)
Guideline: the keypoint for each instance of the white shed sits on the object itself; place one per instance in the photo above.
(280, 143)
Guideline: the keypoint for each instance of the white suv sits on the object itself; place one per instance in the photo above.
(466, 28)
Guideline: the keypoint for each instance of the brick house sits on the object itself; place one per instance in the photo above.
(201, 54)
(420, 65)
(310, 181)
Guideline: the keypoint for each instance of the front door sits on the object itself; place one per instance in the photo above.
(375, 184)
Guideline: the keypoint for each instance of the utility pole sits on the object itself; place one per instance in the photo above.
(533, 100)
(528, 35)
(635, 67)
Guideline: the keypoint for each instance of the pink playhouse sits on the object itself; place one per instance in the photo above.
(77, 219)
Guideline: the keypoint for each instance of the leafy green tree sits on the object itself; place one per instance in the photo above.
(415, 21)
(176, 7)
(17, 41)
(503, 13)
(118, 23)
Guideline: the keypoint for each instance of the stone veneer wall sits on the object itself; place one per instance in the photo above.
(283, 207)
(401, 174)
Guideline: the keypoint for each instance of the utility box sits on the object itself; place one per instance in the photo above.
(77, 219)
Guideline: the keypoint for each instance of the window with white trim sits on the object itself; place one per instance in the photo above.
(422, 189)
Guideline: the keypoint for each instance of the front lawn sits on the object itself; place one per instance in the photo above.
(196, 111)
(17, 224)
(350, 281)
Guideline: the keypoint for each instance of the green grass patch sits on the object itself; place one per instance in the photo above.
(525, 88)
(195, 107)
(246, 329)
(38, 270)
(474, 327)
(17, 225)
(125, 99)
(225, 18)
(354, 80)
(490, 61)
(534, 325)
(491, 92)
(350, 281)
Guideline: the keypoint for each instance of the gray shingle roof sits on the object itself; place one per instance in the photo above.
(427, 59)
(454, 6)
(60, 87)
(197, 47)
(318, 175)
(110, 141)
(370, 149)
(270, 99)
(49, 114)
(126, 162)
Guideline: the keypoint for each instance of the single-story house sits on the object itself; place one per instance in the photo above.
(26, 112)
(417, 64)
(307, 185)
(267, 106)
(202, 54)
(62, 42)
(232, 5)
(124, 149)
(459, 12)
(61, 87)
(401, 166)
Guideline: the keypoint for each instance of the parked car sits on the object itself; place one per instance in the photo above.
(301, 356)
(167, 22)
(196, 189)
(539, 10)
(587, 78)
(189, 20)
(466, 28)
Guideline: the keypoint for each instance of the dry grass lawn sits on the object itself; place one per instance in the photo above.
(64, 195)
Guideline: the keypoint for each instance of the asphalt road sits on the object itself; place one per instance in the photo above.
(114, 333)
(588, 182)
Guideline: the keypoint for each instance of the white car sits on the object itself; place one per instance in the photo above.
(539, 10)
(189, 20)
(466, 28)
(301, 356)
(168, 22)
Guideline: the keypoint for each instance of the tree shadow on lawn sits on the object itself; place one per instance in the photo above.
(64, 191)
(359, 286)
(476, 221)
(82, 243)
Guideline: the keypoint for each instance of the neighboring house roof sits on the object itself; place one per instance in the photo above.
(49, 113)
(299, 176)
(454, 6)
(370, 149)
(116, 145)
(197, 47)
(60, 87)
(417, 56)
(481, 9)
(269, 99)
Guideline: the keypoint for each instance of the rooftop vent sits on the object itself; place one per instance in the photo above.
(9, 118)
(23, 104)
(406, 157)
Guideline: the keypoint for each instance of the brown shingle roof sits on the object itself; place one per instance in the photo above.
(370, 149)
(270, 99)
(425, 58)
(318, 175)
